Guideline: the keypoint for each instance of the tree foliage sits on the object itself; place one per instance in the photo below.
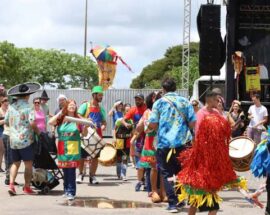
(19, 65)
(168, 66)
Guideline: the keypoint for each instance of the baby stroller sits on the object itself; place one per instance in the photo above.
(46, 174)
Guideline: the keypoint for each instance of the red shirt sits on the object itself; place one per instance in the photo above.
(135, 113)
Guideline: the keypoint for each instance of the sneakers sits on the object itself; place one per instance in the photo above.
(28, 191)
(70, 197)
(172, 209)
(124, 178)
(79, 178)
(11, 190)
(177, 208)
(138, 186)
(93, 180)
(1, 170)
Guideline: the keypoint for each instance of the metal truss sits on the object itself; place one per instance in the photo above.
(186, 41)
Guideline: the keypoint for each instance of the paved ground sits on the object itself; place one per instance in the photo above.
(109, 188)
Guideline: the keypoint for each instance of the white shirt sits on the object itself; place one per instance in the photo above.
(258, 114)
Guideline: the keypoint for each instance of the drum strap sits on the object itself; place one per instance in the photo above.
(173, 151)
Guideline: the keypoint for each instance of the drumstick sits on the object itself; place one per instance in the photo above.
(233, 148)
(80, 121)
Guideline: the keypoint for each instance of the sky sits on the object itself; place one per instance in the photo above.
(140, 31)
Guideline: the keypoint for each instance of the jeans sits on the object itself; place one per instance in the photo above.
(148, 179)
(121, 169)
(70, 181)
(168, 170)
(8, 159)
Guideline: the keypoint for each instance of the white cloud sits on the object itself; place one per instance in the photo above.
(140, 30)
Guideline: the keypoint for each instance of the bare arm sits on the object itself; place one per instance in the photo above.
(264, 121)
(111, 112)
(53, 120)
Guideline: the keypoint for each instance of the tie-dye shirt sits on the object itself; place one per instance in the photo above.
(173, 130)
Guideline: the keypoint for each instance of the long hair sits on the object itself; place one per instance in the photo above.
(151, 98)
(65, 112)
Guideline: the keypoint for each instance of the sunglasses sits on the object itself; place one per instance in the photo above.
(194, 105)
(36, 103)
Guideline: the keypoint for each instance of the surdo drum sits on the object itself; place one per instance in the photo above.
(108, 155)
(241, 152)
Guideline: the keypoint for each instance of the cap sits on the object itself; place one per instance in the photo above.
(97, 89)
(139, 95)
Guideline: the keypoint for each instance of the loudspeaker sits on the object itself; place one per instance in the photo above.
(212, 49)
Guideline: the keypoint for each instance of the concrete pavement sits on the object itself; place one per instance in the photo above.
(110, 188)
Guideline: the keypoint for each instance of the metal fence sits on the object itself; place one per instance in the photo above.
(110, 96)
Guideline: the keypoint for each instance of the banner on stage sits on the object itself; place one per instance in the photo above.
(253, 83)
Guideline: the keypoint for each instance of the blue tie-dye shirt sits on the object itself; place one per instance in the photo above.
(173, 131)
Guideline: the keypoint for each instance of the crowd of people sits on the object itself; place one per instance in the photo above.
(154, 135)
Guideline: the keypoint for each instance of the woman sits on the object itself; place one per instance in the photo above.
(238, 117)
(69, 147)
(116, 112)
(40, 117)
(3, 110)
(148, 155)
(196, 105)
(122, 141)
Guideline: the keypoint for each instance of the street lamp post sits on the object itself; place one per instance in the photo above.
(85, 37)
(85, 28)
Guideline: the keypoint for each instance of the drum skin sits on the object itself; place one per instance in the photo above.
(108, 155)
(241, 151)
(92, 143)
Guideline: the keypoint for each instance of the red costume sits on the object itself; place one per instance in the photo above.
(206, 166)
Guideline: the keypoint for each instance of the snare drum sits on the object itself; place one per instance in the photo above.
(108, 155)
(92, 143)
(241, 152)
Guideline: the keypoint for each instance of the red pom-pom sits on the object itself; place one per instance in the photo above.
(207, 165)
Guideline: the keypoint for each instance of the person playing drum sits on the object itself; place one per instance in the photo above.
(92, 110)
(258, 116)
(135, 114)
(69, 145)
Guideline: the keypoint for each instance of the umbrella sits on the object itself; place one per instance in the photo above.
(106, 54)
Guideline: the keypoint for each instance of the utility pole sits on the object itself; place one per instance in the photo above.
(85, 37)
(186, 42)
(85, 28)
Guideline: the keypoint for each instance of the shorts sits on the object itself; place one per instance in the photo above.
(137, 162)
(25, 154)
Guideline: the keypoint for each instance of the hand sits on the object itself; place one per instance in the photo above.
(127, 125)
(103, 127)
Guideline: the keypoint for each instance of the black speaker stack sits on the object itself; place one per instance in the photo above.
(212, 48)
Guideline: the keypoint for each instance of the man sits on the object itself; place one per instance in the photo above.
(92, 110)
(135, 113)
(22, 126)
(211, 103)
(258, 116)
(61, 100)
(173, 116)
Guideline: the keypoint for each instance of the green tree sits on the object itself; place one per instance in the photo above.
(19, 65)
(168, 66)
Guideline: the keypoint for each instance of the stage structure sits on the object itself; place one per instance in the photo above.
(248, 31)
